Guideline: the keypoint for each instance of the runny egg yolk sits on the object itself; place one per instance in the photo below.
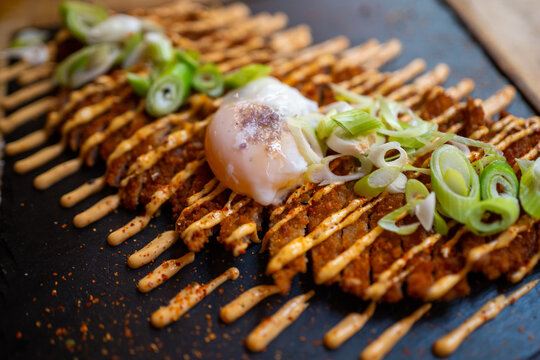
(249, 146)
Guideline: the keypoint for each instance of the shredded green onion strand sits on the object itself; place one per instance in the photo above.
(524, 164)
(80, 17)
(375, 183)
(497, 175)
(450, 169)
(506, 209)
(529, 189)
(387, 115)
(439, 224)
(168, 92)
(357, 122)
(409, 167)
(245, 74)
(139, 83)
(209, 80)
(363, 102)
(326, 126)
(389, 221)
(130, 45)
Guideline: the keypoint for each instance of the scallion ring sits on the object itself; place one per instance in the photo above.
(321, 173)
(498, 179)
(376, 182)
(209, 80)
(377, 155)
(454, 182)
(80, 17)
(505, 209)
(306, 140)
(529, 189)
(139, 83)
(168, 92)
(388, 222)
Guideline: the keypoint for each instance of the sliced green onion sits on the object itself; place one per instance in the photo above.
(326, 125)
(446, 161)
(409, 167)
(357, 122)
(505, 208)
(189, 57)
(168, 92)
(524, 164)
(442, 139)
(363, 102)
(306, 140)
(485, 160)
(341, 143)
(209, 80)
(29, 37)
(116, 28)
(80, 17)
(245, 74)
(398, 185)
(375, 183)
(439, 225)
(158, 47)
(139, 83)
(377, 155)
(388, 116)
(321, 173)
(456, 182)
(86, 64)
(422, 129)
(497, 175)
(477, 143)
(388, 222)
(529, 189)
(415, 190)
(425, 211)
(130, 45)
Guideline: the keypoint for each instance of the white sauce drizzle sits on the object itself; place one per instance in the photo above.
(347, 327)
(164, 272)
(245, 302)
(153, 249)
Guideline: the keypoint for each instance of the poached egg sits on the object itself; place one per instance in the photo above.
(248, 144)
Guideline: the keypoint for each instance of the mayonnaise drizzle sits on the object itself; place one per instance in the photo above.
(271, 327)
(82, 192)
(189, 297)
(449, 343)
(245, 302)
(384, 343)
(158, 199)
(27, 113)
(164, 272)
(98, 211)
(25, 94)
(153, 249)
(347, 327)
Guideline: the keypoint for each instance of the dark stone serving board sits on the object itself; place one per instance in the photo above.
(52, 271)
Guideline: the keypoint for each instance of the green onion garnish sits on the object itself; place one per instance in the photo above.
(529, 189)
(86, 64)
(326, 126)
(498, 175)
(208, 80)
(415, 190)
(159, 48)
(506, 209)
(139, 83)
(168, 92)
(388, 222)
(363, 102)
(189, 57)
(454, 182)
(357, 122)
(80, 17)
(375, 183)
(130, 45)
(306, 140)
(245, 74)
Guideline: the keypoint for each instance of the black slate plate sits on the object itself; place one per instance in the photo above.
(51, 271)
